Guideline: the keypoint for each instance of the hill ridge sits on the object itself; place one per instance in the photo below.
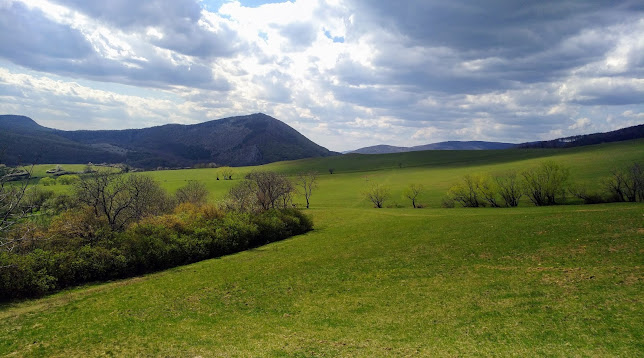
(252, 139)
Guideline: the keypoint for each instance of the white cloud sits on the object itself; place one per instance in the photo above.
(346, 73)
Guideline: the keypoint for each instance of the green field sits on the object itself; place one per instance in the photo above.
(549, 281)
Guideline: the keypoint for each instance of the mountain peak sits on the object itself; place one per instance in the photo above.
(244, 140)
(17, 122)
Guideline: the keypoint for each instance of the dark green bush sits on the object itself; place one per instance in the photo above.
(80, 248)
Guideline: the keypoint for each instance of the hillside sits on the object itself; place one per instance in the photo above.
(449, 145)
(622, 134)
(236, 141)
(528, 281)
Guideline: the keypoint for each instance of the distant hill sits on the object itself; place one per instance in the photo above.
(246, 140)
(450, 145)
(627, 133)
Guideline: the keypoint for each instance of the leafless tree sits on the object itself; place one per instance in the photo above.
(307, 182)
(270, 188)
(627, 185)
(242, 197)
(121, 199)
(412, 192)
(12, 208)
(261, 190)
(378, 194)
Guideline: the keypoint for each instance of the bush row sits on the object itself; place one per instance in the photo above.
(78, 247)
(545, 184)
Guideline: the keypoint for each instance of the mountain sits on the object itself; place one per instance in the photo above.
(450, 145)
(627, 133)
(245, 140)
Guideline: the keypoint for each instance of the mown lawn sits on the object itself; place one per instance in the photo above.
(554, 281)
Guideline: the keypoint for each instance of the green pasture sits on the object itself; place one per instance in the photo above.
(528, 281)
(436, 170)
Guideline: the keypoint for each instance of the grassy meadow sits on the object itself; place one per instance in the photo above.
(529, 281)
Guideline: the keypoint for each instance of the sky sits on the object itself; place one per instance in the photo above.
(345, 73)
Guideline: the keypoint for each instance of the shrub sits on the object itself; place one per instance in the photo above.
(626, 184)
(194, 192)
(68, 179)
(377, 194)
(81, 247)
(545, 184)
(466, 192)
(47, 181)
(509, 187)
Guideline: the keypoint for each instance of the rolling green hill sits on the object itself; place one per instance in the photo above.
(245, 140)
(528, 281)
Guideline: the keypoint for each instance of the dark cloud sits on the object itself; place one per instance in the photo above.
(505, 28)
(29, 38)
(136, 14)
(473, 46)
(26, 34)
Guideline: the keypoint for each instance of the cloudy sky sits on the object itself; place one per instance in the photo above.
(345, 73)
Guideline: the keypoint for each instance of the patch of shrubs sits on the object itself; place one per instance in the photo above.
(545, 184)
(79, 247)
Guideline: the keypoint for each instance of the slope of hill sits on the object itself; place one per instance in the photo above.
(627, 133)
(529, 281)
(449, 145)
(245, 140)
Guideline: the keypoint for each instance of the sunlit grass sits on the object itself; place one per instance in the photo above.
(550, 281)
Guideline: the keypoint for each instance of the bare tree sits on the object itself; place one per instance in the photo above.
(412, 192)
(12, 208)
(242, 197)
(307, 182)
(194, 192)
(627, 185)
(121, 199)
(378, 194)
(262, 190)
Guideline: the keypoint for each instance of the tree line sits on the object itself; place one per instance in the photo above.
(114, 225)
(544, 184)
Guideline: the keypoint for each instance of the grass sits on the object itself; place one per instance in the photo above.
(553, 281)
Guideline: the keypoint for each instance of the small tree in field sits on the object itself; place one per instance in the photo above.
(509, 187)
(194, 192)
(626, 185)
(121, 199)
(378, 194)
(226, 173)
(260, 191)
(466, 192)
(307, 182)
(412, 192)
(487, 190)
